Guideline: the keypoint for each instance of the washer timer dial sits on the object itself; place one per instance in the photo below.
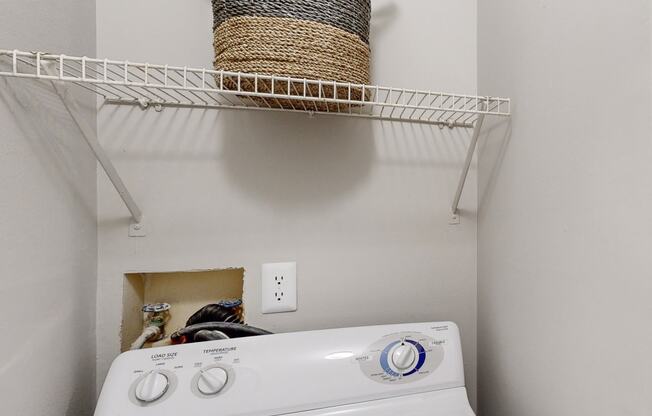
(401, 358)
(404, 356)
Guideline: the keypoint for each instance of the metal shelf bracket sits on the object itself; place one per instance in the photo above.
(136, 228)
(455, 214)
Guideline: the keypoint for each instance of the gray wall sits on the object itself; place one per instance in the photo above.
(48, 228)
(361, 206)
(565, 316)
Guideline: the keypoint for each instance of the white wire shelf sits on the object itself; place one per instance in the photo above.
(158, 86)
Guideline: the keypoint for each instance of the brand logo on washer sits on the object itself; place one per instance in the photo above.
(219, 350)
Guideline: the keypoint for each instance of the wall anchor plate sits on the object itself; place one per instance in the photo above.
(137, 229)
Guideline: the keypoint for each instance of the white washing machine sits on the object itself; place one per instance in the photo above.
(408, 370)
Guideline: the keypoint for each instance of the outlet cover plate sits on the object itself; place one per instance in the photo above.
(279, 287)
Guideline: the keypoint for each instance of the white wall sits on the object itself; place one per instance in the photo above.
(361, 206)
(565, 317)
(48, 229)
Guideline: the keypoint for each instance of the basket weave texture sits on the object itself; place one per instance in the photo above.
(291, 38)
(352, 16)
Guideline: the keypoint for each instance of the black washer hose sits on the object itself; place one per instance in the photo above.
(233, 330)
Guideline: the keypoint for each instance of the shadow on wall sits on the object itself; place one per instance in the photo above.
(420, 145)
(382, 17)
(293, 161)
(173, 135)
(45, 124)
(285, 160)
(494, 141)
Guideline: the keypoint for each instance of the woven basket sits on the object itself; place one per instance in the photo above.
(313, 39)
(352, 16)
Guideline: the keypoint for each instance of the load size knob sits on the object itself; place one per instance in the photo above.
(152, 387)
(404, 356)
(212, 380)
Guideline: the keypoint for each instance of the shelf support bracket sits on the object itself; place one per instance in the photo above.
(136, 228)
(455, 214)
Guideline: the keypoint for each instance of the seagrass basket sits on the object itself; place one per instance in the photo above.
(304, 39)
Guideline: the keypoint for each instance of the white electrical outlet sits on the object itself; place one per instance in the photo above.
(279, 287)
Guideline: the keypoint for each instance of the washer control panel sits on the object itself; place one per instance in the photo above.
(402, 357)
(253, 375)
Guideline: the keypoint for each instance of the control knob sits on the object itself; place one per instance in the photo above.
(404, 356)
(212, 380)
(152, 387)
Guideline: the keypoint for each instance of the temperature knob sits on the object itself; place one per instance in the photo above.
(212, 380)
(404, 356)
(152, 387)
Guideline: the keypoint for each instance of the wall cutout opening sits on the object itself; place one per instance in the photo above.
(185, 292)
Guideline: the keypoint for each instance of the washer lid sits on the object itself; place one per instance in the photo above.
(451, 402)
